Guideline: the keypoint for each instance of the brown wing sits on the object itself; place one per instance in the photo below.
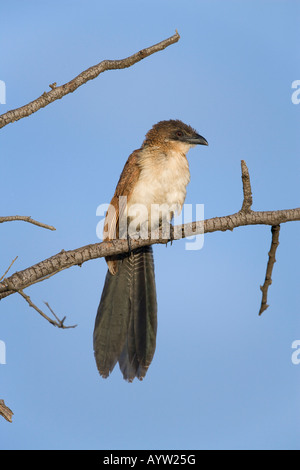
(127, 181)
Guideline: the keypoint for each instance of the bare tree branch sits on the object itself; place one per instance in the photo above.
(272, 260)
(5, 412)
(65, 259)
(58, 92)
(25, 218)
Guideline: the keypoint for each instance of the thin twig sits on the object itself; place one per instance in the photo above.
(25, 218)
(1, 278)
(58, 92)
(272, 260)
(59, 323)
(247, 202)
(5, 412)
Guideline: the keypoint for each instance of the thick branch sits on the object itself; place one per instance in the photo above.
(58, 92)
(66, 259)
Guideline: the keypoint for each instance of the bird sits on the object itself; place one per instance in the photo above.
(154, 178)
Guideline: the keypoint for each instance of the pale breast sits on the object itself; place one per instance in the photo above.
(163, 180)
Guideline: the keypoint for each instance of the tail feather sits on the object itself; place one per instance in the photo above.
(126, 322)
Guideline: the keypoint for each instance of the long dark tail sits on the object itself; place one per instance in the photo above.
(126, 322)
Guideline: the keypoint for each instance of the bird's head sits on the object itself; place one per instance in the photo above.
(174, 133)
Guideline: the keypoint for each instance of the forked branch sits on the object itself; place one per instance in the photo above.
(57, 322)
(65, 259)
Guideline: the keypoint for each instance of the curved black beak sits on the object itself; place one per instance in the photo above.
(196, 139)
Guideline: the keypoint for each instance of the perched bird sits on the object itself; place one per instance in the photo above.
(154, 178)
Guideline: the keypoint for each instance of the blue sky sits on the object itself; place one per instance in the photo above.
(222, 377)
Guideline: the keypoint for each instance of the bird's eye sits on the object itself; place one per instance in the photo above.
(179, 133)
